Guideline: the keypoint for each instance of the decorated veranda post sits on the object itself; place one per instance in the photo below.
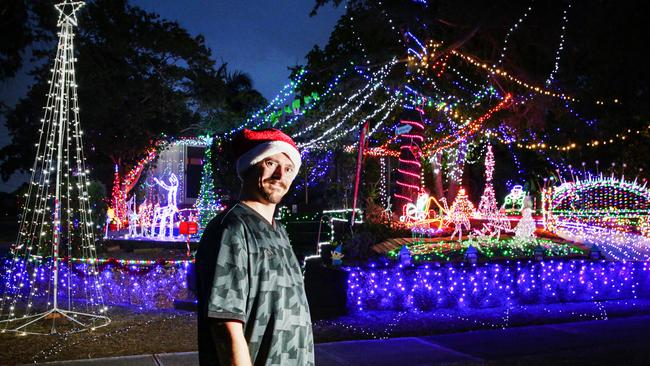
(362, 138)
(38, 295)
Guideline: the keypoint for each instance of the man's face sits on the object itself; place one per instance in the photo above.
(274, 177)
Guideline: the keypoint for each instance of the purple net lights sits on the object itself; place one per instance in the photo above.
(427, 287)
(153, 286)
(385, 287)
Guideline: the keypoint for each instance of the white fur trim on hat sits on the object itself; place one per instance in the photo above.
(266, 149)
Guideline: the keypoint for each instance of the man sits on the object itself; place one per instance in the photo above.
(252, 304)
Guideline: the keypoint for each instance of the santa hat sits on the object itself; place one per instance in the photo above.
(251, 147)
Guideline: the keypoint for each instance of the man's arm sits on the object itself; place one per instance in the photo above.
(228, 336)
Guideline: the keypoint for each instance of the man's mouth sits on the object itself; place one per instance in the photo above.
(276, 185)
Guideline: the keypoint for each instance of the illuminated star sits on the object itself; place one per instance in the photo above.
(68, 11)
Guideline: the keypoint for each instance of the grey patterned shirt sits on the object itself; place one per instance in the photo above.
(247, 271)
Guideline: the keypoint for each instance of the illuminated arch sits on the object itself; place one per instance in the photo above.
(601, 201)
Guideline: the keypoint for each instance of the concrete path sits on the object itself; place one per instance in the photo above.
(615, 341)
(166, 359)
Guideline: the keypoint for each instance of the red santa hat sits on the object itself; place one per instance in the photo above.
(251, 147)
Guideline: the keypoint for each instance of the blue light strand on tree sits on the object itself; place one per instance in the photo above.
(321, 166)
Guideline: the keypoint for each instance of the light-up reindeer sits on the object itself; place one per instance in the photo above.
(165, 214)
(133, 217)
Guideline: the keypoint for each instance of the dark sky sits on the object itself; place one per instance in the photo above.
(259, 37)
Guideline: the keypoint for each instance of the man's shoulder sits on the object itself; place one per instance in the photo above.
(229, 218)
(227, 222)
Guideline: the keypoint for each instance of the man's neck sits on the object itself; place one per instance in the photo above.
(265, 209)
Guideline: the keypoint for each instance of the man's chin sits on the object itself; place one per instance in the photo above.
(274, 196)
(275, 199)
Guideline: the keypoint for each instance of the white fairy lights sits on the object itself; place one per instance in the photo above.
(508, 34)
(56, 219)
(389, 106)
(558, 52)
(366, 91)
(334, 132)
(488, 204)
(285, 93)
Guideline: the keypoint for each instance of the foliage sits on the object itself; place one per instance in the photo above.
(14, 22)
(597, 63)
(375, 229)
(140, 77)
(207, 204)
(227, 184)
(97, 193)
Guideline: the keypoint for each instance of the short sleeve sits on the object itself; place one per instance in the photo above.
(229, 292)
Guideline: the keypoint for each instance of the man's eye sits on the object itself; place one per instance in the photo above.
(270, 163)
(289, 170)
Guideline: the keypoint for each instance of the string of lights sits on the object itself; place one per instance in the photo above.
(288, 91)
(509, 33)
(506, 75)
(364, 93)
(389, 106)
(511, 248)
(56, 216)
(409, 172)
(619, 246)
(560, 47)
(425, 287)
(466, 131)
(342, 119)
(358, 39)
(329, 91)
(390, 22)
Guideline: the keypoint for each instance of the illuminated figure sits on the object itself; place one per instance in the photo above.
(459, 219)
(144, 218)
(459, 213)
(525, 229)
(133, 217)
(389, 207)
(418, 211)
(419, 214)
(156, 218)
(171, 189)
(110, 214)
(514, 201)
(487, 207)
(496, 224)
(164, 215)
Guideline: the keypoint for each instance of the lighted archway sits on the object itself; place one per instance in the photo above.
(607, 202)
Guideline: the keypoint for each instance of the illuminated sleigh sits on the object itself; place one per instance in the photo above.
(421, 215)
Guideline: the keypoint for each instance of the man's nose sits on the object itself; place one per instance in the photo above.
(278, 173)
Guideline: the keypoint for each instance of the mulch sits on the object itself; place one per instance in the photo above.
(131, 332)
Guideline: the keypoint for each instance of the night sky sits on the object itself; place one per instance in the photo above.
(261, 38)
